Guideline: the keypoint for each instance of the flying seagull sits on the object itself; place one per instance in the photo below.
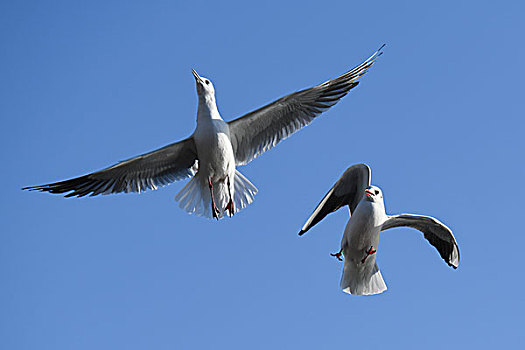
(359, 245)
(215, 149)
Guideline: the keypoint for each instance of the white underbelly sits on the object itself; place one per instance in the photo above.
(361, 233)
(361, 236)
(215, 153)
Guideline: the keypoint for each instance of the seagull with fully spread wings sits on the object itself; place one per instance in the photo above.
(360, 241)
(214, 150)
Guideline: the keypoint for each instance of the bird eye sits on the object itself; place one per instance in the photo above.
(376, 191)
(207, 82)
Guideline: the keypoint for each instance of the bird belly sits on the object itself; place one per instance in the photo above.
(359, 242)
(361, 234)
(218, 161)
(215, 151)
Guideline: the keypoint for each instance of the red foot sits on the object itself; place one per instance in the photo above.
(338, 255)
(214, 209)
(368, 252)
(229, 208)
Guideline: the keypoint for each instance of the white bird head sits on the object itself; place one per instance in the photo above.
(373, 194)
(204, 86)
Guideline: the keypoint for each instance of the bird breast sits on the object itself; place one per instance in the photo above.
(363, 227)
(214, 148)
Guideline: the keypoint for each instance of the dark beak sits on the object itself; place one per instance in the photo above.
(198, 79)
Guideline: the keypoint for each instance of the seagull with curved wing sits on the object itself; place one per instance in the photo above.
(359, 245)
(215, 149)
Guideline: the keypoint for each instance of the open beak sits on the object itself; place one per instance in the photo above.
(368, 193)
(198, 79)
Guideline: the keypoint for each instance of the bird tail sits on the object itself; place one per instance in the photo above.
(190, 197)
(244, 191)
(195, 197)
(362, 279)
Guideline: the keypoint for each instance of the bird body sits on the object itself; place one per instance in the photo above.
(216, 174)
(215, 149)
(360, 272)
(216, 159)
(368, 219)
(362, 230)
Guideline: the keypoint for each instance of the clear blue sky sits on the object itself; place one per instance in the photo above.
(439, 119)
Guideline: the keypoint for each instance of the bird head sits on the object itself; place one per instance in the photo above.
(204, 85)
(373, 194)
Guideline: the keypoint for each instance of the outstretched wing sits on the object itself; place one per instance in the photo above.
(148, 171)
(439, 235)
(348, 190)
(260, 130)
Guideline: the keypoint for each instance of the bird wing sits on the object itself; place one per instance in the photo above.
(348, 190)
(260, 130)
(439, 235)
(148, 171)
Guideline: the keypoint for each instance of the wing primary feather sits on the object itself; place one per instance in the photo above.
(348, 190)
(262, 129)
(434, 231)
(148, 171)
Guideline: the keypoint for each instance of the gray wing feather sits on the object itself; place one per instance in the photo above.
(148, 171)
(439, 235)
(260, 130)
(348, 190)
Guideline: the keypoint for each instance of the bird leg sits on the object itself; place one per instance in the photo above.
(214, 208)
(338, 255)
(368, 253)
(229, 206)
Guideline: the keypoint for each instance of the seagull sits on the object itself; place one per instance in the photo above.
(359, 245)
(212, 153)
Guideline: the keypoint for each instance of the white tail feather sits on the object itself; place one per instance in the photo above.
(244, 191)
(195, 196)
(362, 279)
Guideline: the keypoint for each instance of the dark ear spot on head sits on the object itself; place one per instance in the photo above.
(377, 192)
(207, 82)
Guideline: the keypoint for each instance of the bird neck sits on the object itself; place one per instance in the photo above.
(207, 108)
